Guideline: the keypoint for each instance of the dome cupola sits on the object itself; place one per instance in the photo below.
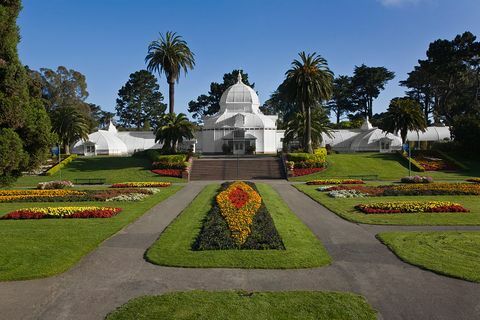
(239, 98)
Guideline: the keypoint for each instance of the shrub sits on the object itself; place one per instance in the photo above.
(61, 165)
(174, 161)
(416, 179)
(57, 184)
(307, 160)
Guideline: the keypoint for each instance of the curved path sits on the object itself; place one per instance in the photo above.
(116, 272)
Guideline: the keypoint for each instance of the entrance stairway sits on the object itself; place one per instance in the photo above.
(237, 169)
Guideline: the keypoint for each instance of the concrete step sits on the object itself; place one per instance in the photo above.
(230, 169)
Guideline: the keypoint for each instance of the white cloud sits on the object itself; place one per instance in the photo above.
(397, 3)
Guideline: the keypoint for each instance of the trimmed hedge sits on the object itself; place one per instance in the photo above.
(61, 165)
(307, 160)
(215, 234)
(415, 165)
(173, 161)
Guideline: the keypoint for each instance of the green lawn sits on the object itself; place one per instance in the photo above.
(41, 248)
(451, 253)
(345, 209)
(235, 305)
(388, 166)
(113, 169)
(303, 249)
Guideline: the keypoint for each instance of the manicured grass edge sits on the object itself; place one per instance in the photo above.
(95, 246)
(173, 247)
(348, 301)
(382, 238)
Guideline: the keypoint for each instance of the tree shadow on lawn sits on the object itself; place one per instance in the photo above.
(109, 163)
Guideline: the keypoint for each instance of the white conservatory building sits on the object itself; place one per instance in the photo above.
(239, 126)
(373, 139)
(115, 143)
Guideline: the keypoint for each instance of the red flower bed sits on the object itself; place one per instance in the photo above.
(238, 197)
(168, 172)
(30, 214)
(297, 172)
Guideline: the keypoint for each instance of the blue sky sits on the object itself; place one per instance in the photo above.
(107, 40)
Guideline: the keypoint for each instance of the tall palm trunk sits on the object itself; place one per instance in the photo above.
(66, 148)
(171, 96)
(308, 126)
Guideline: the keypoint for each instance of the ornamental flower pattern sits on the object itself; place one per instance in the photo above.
(141, 185)
(335, 181)
(62, 212)
(411, 207)
(19, 195)
(238, 205)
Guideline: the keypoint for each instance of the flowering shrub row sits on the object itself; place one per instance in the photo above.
(238, 204)
(141, 185)
(168, 172)
(474, 180)
(411, 189)
(335, 181)
(57, 195)
(238, 219)
(416, 179)
(28, 195)
(411, 207)
(297, 172)
(62, 212)
(58, 184)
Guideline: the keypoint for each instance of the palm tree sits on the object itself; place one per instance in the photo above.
(403, 114)
(170, 54)
(309, 82)
(173, 129)
(70, 124)
(295, 127)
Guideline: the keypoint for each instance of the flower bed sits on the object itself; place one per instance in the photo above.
(238, 220)
(416, 179)
(346, 194)
(168, 172)
(62, 212)
(411, 207)
(474, 180)
(58, 184)
(57, 195)
(40, 195)
(297, 172)
(335, 181)
(434, 163)
(411, 189)
(141, 185)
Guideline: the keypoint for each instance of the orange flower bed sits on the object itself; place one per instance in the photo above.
(238, 205)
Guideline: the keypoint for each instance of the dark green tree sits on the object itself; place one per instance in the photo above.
(309, 82)
(403, 115)
(25, 128)
(341, 102)
(170, 54)
(139, 103)
(64, 88)
(173, 129)
(208, 104)
(367, 83)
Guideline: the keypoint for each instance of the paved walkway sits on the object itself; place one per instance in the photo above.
(116, 272)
